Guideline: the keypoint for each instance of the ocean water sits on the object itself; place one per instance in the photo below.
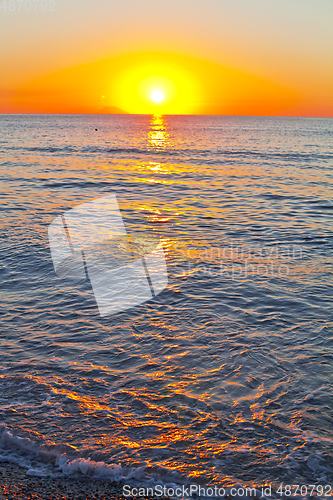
(225, 376)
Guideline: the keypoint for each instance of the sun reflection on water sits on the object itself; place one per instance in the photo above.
(158, 138)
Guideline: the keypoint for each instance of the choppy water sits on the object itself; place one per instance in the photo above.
(226, 375)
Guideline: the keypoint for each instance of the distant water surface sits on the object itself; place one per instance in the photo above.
(227, 374)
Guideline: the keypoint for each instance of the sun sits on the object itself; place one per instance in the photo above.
(155, 84)
(157, 96)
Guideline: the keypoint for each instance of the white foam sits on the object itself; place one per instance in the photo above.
(21, 451)
(37, 472)
(90, 468)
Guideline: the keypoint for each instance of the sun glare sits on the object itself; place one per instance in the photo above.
(148, 85)
(157, 96)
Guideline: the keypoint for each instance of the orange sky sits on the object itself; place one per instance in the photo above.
(245, 57)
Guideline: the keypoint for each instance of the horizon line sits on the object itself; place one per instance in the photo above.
(163, 114)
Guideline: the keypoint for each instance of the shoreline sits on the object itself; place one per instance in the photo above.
(16, 485)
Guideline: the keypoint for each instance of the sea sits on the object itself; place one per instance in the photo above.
(223, 377)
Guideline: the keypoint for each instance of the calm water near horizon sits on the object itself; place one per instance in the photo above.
(224, 377)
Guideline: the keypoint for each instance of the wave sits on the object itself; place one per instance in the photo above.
(48, 460)
(54, 460)
(178, 152)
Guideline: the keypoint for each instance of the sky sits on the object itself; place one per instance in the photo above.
(241, 57)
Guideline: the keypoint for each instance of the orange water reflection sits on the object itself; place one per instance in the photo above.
(158, 138)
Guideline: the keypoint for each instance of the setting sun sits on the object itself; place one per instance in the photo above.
(149, 80)
(157, 96)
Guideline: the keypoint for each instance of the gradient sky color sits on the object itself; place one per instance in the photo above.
(266, 56)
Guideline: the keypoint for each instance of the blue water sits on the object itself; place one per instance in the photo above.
(227, 374)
